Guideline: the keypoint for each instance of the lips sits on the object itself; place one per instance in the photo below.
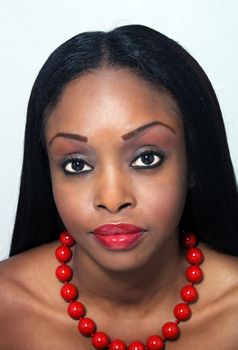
(117, 229)
(119, 236)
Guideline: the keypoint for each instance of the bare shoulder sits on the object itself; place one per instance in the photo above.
(25, 282)
(19, 270)
(221, 268)
(219, 294)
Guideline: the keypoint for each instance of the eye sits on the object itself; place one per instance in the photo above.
(148, 159)
(74, 166)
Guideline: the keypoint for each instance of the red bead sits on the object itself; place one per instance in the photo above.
(86, 326)
(189, 240)
(66, 239)
(189, 294)
(136, 345)
(63, 253)
(69, 292)
(76, 310)
(100, 340)
(182, 312)
(194, 274)
(117, 344)
(170, 330)
(64, 273)
(155, 342)
(194, 256)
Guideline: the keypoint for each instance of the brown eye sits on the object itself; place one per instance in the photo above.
(148, 159)
(75, 166)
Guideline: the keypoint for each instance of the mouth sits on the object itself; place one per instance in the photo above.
(117, 229)
(119, 236)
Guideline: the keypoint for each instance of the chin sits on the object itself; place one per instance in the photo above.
(125, 262)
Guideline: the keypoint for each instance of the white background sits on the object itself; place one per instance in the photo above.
(30, 30)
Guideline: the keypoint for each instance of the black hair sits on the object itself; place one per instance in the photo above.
(211, 208)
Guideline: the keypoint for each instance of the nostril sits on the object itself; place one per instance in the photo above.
(102, 206)
(124, 205)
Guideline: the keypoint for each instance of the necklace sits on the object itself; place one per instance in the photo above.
(100, 340)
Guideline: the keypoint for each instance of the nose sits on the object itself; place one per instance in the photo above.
(113, 193)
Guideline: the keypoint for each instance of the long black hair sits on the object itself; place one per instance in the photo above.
(211, 208)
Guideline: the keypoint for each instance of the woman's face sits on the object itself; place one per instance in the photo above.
(101, 177)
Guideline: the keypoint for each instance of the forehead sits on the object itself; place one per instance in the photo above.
(110, 98)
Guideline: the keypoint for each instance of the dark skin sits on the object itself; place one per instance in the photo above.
(130, 294)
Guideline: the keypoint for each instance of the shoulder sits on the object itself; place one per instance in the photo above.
(24, 287)
(219, 293)
(221, 268)
(19, 270)
(220, 274)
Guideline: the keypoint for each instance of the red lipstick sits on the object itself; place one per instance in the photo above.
(119, 236)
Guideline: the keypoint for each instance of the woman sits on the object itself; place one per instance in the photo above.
(125, 153)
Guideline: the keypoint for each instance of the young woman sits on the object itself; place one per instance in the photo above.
(126, 160)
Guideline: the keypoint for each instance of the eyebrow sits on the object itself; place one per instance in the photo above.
(143, 127)
(124, 137)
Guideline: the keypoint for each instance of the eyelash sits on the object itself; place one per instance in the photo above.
(71, 159)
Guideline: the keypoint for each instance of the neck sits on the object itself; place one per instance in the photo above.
(158, 280)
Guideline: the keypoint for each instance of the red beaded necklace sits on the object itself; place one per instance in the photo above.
(100, 340)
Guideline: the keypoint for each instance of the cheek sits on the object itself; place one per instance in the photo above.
(166, 204)
(166, 196)
(72, 202)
